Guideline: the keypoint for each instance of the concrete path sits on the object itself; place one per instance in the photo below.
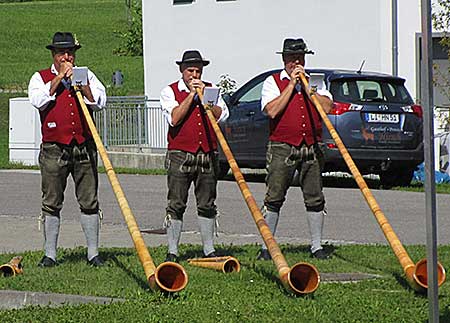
(349, 221)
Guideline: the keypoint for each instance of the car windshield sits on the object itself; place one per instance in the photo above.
(363, 91)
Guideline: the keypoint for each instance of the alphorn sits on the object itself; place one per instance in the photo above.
(169, 276)
(13, 267)
(302, 278)
(416, 274)
(226, 264)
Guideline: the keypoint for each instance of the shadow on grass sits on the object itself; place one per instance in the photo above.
(445, 317)
(109, 256)
(138, 279)
(78, 255)
(305, 249)
(400, 278)
(353, 260)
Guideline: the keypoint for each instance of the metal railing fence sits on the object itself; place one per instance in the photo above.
(132, 121)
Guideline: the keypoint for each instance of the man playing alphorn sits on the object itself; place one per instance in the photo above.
(294, 143)
(192, 155)
(67, 146)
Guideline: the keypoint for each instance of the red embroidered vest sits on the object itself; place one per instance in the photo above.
(195, 131)
(62, 120)
(299, 122)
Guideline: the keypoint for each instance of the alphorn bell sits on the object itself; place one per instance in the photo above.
(13, 267)
(168, 276)
(416, 274)
(225, 264)
(302, 278)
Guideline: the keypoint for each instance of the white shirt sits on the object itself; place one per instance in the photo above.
(39, 92)
(271, 91)
(168, 102)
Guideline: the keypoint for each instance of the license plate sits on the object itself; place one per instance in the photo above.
(382, 118)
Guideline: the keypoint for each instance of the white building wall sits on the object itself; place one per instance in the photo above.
(241, 37)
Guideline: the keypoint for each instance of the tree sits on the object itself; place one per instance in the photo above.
(132, 36)
(441, 23)
(226, 84)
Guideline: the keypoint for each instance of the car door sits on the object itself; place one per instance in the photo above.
(255, 124)
(246, 129)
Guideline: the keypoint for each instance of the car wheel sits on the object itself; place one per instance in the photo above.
(223, 170)
(396, 177)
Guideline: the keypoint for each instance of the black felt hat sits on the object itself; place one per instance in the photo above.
(63, 40)
(295, 46)
(192, 56)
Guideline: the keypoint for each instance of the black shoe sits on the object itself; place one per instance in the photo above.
(211, 255)
(320, 254)
(96, 261)
(171, 257)
(47, 262)
(264, 255)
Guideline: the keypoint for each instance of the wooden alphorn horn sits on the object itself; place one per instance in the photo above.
(168, 276)
(302, 278)
(415, 274)
(13, 267)
(226, 264)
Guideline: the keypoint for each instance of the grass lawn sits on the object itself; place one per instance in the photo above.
(29, 26)
(253, 295)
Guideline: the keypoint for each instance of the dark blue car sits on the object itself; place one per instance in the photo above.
(373, 114)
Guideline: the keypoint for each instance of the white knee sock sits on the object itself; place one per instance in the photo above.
(51, 233)
(271, 218)
(315, 221)
(173, 227)
(207, 233)
(90, 225)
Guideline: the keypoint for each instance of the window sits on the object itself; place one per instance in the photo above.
(254, 94)
(361, 91)
(182, 1)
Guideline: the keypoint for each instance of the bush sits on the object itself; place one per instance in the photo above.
(132, 37)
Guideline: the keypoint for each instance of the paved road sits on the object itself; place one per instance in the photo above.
(349, 221)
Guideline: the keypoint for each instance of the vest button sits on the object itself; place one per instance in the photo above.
(302, 107)
(304, 134)
(70, 104)
(303, 125)
(73, 132)
(200, 142)
(198, 114)
(73, 123)
(70, 96)
(199, 123)
(199, 133)
(71, 113)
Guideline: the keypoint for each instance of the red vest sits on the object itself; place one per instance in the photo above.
(62, 120)
(195, 131)
(299, 122)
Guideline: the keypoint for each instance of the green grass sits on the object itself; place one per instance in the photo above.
(253, 295)
(29, 26)
(123, 170)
